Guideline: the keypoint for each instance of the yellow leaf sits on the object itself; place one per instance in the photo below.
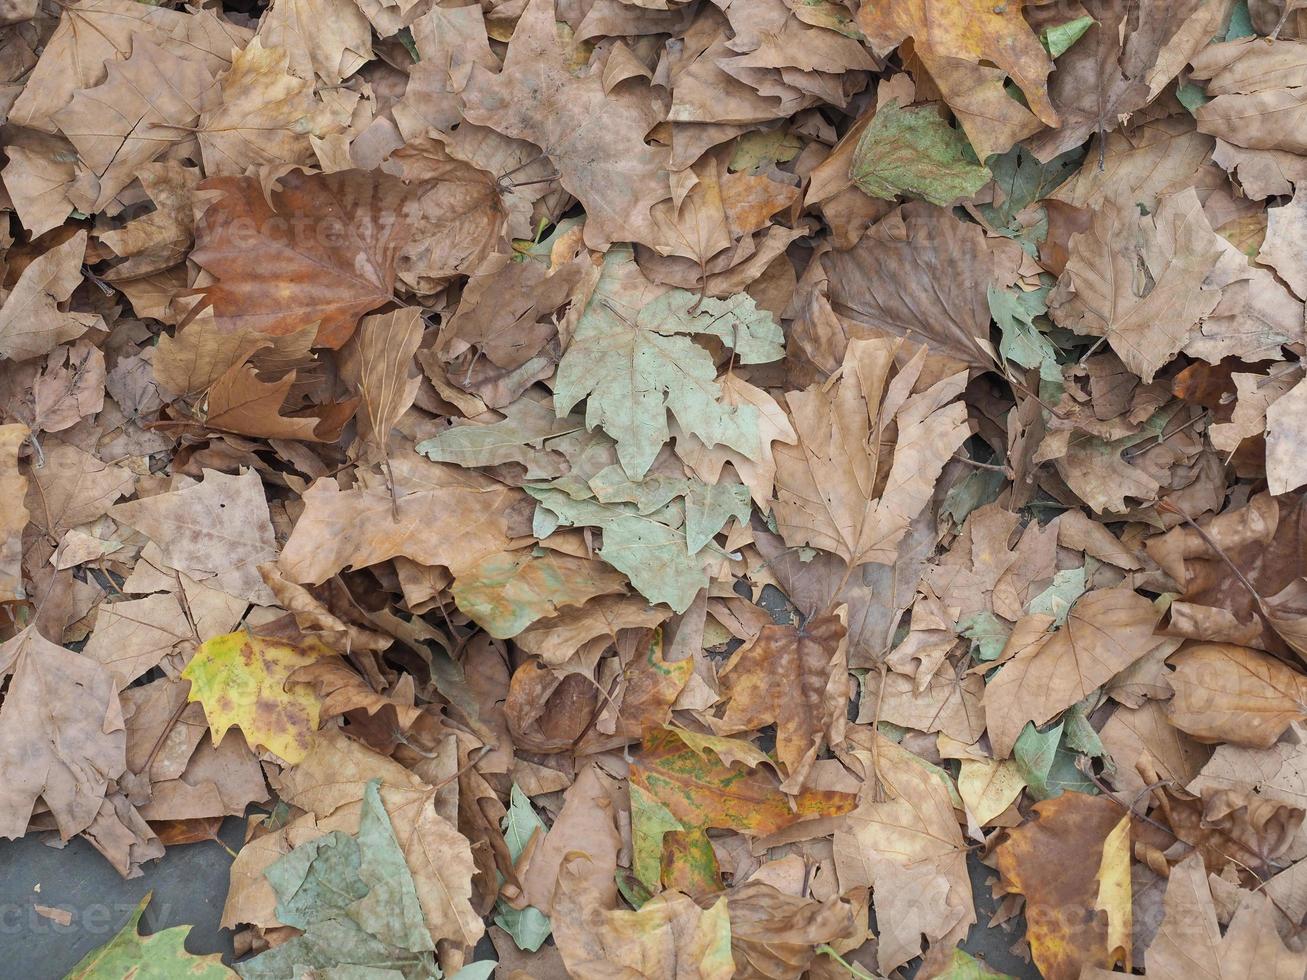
(240, 678)
(1114, 896)
(989, 786)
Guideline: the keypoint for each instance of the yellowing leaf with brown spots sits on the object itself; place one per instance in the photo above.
(241, 679)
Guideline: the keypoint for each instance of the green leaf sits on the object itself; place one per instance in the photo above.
(1014, 311)
(988, 634)
(963, 966)
(481, 970)
(355, 900)
(632, 360)
(1048, 767)
(915, 151)
(1059, 38)
(528, 926)
(519, 437)
(159, 956)
(650, 820)
(760, 149)
(977, 488)
(1068, 586)
(506, 593)
(1192, 97)
(1241, 22)
(1020, 180)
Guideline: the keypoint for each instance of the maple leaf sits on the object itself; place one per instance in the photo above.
(631, 359)
(61, 735)
(322, 249)
(242, 680)
(160, 954)
(596, 142)
(858, 505)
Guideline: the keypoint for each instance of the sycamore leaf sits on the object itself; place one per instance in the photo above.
(915, 151)
(632, 360)
(1055, 862)
(323, 249)
(242, 680)
(528, 926)
(796, 679)
(702, 791)
(31, 323)
(1189, 944)
(355, 901)
(159, 956)
(506, 593)
(858, 503)
(62, 737)
(149, 101)
(1105, 632)
(1228, 693)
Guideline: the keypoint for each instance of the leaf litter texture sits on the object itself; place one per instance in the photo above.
(662, 482)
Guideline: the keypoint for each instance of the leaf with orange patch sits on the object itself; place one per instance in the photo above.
(1061, 863)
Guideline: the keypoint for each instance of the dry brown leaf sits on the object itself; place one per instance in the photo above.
(1057, 862)
(858, 505)
(13, 488)
(1105, 632)
(31, 323)
(796, 679)
(903, 841)
(378, 362)
(1227, 693)
(323, 250)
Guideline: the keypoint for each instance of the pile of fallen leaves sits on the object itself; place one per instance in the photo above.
(658, 488)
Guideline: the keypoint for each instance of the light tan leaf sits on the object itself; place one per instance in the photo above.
(72, 488)
(988, 787)
(13, 488)
(31, 323)
(1105, 632)
(904, 845)
(1228, 693)
(148, 102)
(1189, 944)
(853, 484)
(378, 362)
(1138, 281)
(216, 529)
(62, 737)
(331, 38)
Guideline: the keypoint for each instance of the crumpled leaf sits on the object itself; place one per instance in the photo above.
(242, 680)
(355, 900)
(859, 505)
(796, 679)
(913, 150)
(1105, 632)
(31, 323)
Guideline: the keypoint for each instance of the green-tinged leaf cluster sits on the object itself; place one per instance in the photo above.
(159, 956)
(914, 151)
